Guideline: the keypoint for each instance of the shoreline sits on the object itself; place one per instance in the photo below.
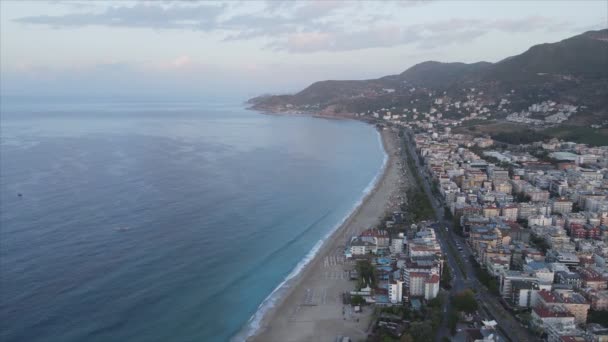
(281, 322)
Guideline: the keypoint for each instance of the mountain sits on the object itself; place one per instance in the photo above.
(572, 71)
(437, 74)
(585, 55)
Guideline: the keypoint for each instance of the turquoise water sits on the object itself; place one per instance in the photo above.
(153, 221)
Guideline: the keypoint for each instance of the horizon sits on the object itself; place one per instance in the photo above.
(241, 43)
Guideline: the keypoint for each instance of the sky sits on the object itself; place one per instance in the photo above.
(189, 48)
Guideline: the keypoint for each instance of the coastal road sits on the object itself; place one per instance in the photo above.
(490, 306)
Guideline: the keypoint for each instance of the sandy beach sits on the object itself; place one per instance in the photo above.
(311, 309)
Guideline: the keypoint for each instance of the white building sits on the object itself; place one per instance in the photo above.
(396, 246)
(431, 287)
(539, 220)
(416, 283)
(508, 277)
(395, 291)
(359, 247)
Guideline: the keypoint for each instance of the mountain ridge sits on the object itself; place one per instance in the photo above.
(573, 70)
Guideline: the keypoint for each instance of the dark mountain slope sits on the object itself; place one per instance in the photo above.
(436, 74)
(574, 70)
(585, 55)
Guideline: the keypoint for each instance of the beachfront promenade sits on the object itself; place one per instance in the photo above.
(312, 308)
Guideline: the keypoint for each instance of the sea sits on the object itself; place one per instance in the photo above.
(148, 220)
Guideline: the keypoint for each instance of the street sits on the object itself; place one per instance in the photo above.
(490, 307)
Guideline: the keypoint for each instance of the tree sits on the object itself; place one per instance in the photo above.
(406, 338)
(522, 198)
(452, 321)
(446, 278)
(422, 331)
(600, 317)
(447, 214)
(465, 301)
(367, 274)
(456, 224)
(387, 338)
(436, 302)
(357, 300)
(540, 243)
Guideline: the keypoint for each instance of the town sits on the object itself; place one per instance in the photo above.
(512, 245)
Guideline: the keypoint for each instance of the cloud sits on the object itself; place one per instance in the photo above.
(181, 61)
(284, 17)
(382, 36)
(141, 15)
(412, 3)
(318, 9)
(310, 41)
(427, 36)
(301, 26)
(527, 24)
(73, 4)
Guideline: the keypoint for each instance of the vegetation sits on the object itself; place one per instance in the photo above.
(522, 136)
(543, 155)
(425, 329)
(585, 135)
(435, 302)
(540, 243)
(465, 302)
(406, 338)
(486, 278)
(516, 134)
(523, 222)
(422, 331)
(435, 187)
(424, 322)
(459, 262)
(419, 206)
(400, 311)
(447, 214)
(446, 278)
(357, 300)
(520, 197)
(452, 321)
(456, 224)
(367, 274)
(600, 317)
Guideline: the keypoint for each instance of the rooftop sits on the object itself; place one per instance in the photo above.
(545, 313)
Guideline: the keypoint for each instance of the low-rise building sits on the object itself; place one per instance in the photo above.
(593, 279)
(522, 292)
(561, 206)
(543, 317)
(575, 303)
(598, 299)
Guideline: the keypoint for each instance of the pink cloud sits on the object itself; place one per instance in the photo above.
(181, 61)
(309, 41)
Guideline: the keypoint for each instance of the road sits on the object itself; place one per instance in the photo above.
(490, 307)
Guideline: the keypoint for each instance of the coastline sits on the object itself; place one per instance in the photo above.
(303, 307)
